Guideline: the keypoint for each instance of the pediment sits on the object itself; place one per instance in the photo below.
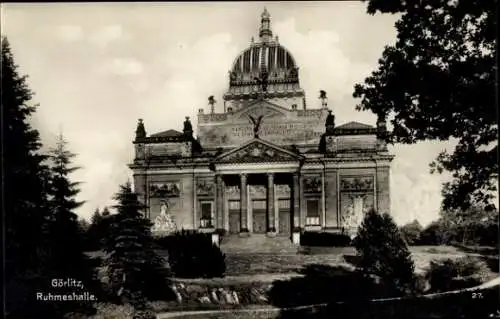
(262, 108)
(258, 150)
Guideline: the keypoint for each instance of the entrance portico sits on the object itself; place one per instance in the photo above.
(258, 193)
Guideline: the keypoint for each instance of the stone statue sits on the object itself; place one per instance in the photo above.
(140, 132)
(188, 128)
(323, 98)
(164, 223)
(262, 81)
(211, 102)
(330, 122)
(256, 124)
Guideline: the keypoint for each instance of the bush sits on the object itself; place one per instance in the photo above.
(324, 239)
(193, 255)
(411, 232)
(448, 274)
(383, 252)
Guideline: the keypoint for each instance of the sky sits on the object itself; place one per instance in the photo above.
(96, 68)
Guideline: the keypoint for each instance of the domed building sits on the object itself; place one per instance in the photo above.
(263, 161)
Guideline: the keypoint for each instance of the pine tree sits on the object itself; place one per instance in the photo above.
(96, 217)
(25, 177)
(383, 252)
(68, 257)
(135, 270)
(105, 212)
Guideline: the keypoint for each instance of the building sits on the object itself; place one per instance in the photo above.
(264, 162)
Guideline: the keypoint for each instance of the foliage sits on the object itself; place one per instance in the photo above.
(324, 239)
(193, 255)
(436, 233)
(383, 252)
(98, 229)
(452, 43)
(411, 232)
(448, 274)
(134, 268)
(25, 205)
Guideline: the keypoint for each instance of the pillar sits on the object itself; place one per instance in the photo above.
(302, 206)
(323, 200)
(243, 203)
(296, 201)
(270, 202)
(219, 202)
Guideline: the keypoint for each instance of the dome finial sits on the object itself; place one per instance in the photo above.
(265, 32)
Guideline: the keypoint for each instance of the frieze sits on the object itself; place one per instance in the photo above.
(282, 190)
(260, 110)
(165, 189)
(358, 183)
(257, 190)
(205, 187)
(233, 190)
(312, 184)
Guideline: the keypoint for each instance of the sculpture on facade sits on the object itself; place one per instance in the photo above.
(256, 124)
(323, 98)
(188, 127)
(140, 132)
(211, 102)
(164, 223)
(262, 81)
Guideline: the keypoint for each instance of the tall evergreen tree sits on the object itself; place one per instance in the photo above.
(67, 250)
(135, 270)
(383, 252)
(96, 217)
(24, 187)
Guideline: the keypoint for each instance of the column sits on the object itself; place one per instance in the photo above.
(243, 203)
(225, 206)
(270, 202)
(296, 201)
(323, 200)
(302, 204)
(218, 202)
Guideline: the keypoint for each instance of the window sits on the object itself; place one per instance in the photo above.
(206, 215)
(312, 217)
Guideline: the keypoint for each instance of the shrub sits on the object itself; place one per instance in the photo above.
(193, 255)
(324, 239)
(448, 274)
(383, 252)
(411, 232)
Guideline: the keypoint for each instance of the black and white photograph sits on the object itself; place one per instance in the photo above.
(241, 159)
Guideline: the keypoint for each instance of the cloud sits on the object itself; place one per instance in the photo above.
(69, 33)
(106, 35)
(123, 66)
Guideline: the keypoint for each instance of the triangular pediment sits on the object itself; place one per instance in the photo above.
(261, 108)
(258, 150)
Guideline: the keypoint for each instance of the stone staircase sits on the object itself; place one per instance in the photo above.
(258, 243)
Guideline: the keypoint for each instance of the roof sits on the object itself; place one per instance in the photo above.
(354, 126)
(168, 133)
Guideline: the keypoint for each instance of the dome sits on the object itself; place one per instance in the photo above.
(265, 58)
(270, 56)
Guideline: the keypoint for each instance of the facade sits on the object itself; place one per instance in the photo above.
(264, 162)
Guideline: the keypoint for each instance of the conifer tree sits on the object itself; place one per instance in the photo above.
(135, 270)
(25, 177)
(68, 259)
(383, 252)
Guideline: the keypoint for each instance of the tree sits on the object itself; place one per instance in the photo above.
(67, 249)
(411, 232)
(68, 259)
(25, 176)
(438, 82)
(383, 252)
(135, 270)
